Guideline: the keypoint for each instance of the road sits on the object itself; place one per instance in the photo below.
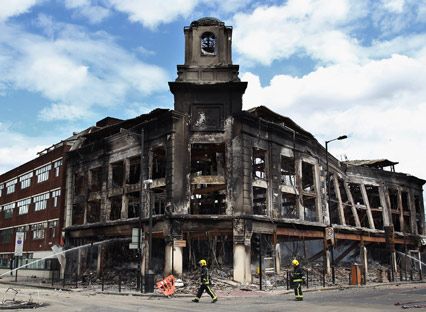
(354, 299)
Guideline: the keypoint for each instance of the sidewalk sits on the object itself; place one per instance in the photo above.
(237, 292)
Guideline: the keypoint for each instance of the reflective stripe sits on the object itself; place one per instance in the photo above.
(298, 280)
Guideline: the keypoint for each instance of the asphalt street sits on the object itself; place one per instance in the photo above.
(355, 299)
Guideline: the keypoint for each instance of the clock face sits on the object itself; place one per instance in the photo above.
(208, 43)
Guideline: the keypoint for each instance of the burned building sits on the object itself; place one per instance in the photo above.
(210, 180)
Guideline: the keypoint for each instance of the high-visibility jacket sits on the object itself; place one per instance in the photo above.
(298, 275)
(205, 276)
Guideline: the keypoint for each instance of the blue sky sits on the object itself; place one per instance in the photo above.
(333, 66)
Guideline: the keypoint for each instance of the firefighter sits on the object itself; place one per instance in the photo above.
(205, 283)
(297, 278)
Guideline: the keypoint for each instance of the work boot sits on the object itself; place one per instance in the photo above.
(214, 300)
(196, 300)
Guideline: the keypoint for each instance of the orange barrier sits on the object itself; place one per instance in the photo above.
(167, 285)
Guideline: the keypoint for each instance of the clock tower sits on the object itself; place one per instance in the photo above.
(208, 88)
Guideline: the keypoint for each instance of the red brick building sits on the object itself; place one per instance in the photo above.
(32, 201)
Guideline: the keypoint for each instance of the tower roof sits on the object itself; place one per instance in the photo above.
(207, 21)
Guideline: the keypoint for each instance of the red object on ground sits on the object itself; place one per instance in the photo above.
(167, 285)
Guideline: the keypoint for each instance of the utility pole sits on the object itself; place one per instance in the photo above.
(342, 137)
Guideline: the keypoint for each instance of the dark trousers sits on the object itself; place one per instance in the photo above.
(208, 289)
(298, 290)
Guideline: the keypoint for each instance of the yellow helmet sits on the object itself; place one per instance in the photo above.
(202, 262)
(295, 262)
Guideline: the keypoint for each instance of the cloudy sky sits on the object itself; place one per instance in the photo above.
(334, 66)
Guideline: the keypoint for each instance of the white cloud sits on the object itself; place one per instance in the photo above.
(16, 7)
(75, 71)
(93, 12)
(308, 27)
(152, 13)
(16, 149)
(394, 6)
(380, 104)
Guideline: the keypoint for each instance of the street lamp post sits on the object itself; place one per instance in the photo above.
(148, 280)
(140, 210)
(342, 137)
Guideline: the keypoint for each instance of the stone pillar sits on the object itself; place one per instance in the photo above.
(364, 260)
(394, 263)
(327, 258)
(99, 262)
(277, 258)
(242, 262)
(173, 259)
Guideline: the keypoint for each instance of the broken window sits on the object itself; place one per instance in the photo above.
(356, 194)
(288, 172)
(93, 211)
(117, 174)
(373, 196)
(77, 214)
(79, 184)
(159, 162)
(96, 179)
(207, 181)
(334, 203)
(116, 203)
(363, 217)
(205, 201)
(375, 206)
(289, 206)
(406, 212)
(259, 164)
(259, 201)
(134, 170)
(377, 218)
(133, 204)
(308, 174)
(419, 220)
(309, 203)
(393, 200)
(159, 201)
(347, 206)
(207, 159)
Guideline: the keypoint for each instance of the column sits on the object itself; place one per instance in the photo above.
(173, 259)
(277, 258)
(242, 262)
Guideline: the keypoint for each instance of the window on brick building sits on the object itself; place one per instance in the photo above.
(55, 196)
(40, 201)
(38, 231)
(8, 210)
(11, 186)
(23, 206)
(25, 180)
(43, 173)
(1, 189)
(57, 166)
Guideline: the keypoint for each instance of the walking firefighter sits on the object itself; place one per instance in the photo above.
(205, 283)
(297, 279)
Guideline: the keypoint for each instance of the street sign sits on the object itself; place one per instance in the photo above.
(135, 232)
(19, 243)
(179, 243)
